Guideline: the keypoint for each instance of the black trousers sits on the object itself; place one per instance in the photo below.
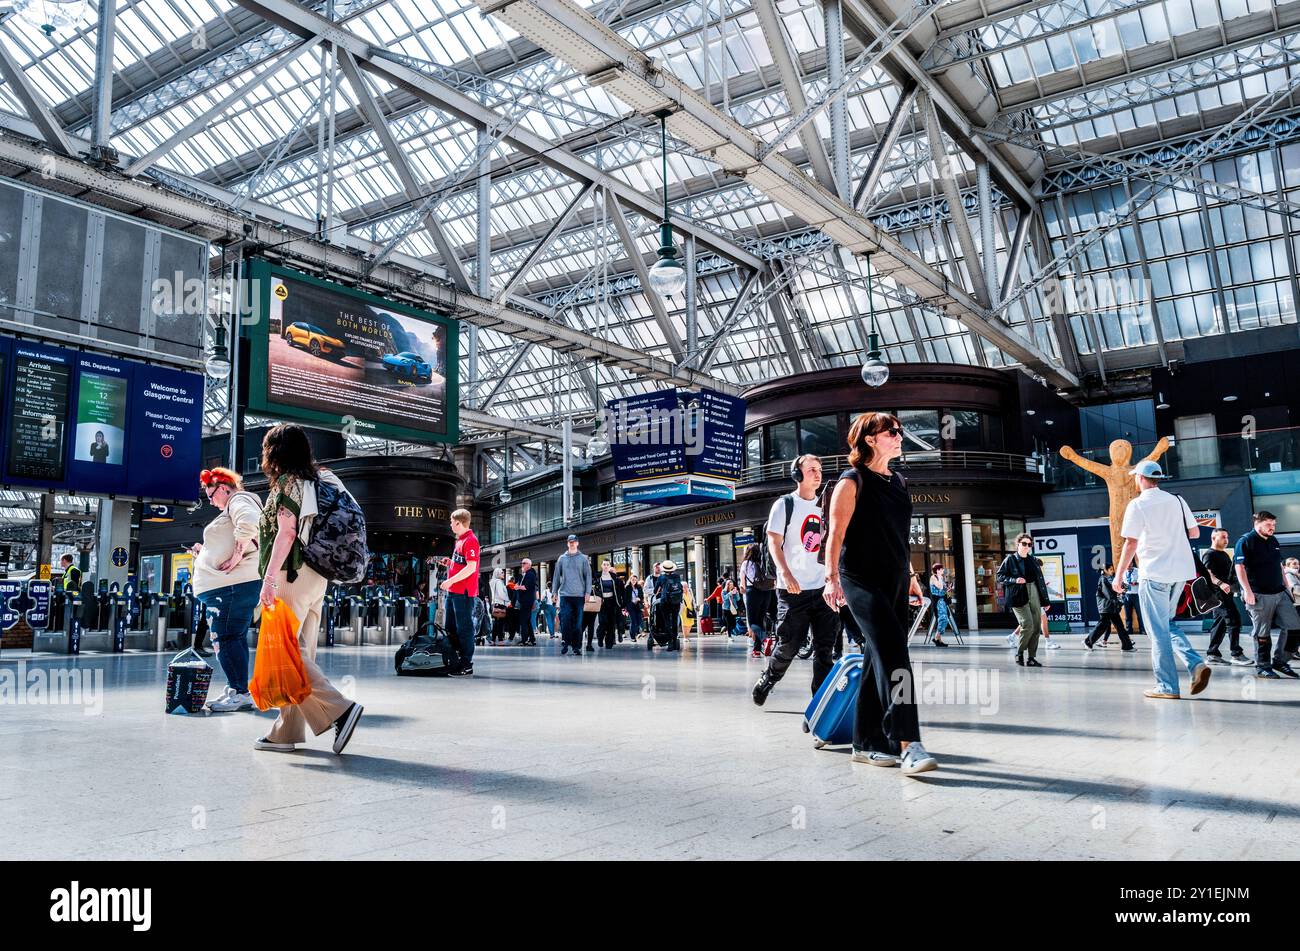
(589, 625)
(757, 604)
(1225, 620)
(1103, 626)
(526, 635)
(796, 615)
(609, 615)
(886, 713)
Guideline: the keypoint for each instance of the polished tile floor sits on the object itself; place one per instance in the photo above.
(658, 756)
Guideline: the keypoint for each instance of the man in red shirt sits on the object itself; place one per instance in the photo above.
(462, 588)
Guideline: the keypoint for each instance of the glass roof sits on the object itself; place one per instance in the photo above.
(1100, 75)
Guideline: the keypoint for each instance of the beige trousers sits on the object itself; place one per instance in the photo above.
(305, 597)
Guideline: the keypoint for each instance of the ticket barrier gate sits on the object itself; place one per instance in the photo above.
(379, 618)
(351, 623)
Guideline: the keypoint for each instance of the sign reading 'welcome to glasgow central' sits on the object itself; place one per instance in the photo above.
(674, 448)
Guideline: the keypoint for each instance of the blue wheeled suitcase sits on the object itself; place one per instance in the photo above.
(829, 717)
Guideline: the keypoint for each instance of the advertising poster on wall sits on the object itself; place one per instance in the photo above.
(1060, 557)
(329, 354)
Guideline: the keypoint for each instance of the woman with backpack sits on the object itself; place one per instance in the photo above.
(757, 587)
(294, 478)
(226, 581)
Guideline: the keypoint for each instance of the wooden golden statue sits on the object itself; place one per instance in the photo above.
(1123, 489)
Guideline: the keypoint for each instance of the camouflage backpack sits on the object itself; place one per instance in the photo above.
(337, 549)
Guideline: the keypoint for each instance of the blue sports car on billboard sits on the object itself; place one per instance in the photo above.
(409, 365)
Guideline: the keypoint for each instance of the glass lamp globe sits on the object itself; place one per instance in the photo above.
(53, 15)
(668, 277)
(217, 365)
(598, 445)
(504, 495)
(875, 371)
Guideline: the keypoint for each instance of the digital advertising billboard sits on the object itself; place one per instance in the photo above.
(333, 356)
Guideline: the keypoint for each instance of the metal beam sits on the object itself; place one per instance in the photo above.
(405, 174)
(306, 23)
(776, 304)
(38, 110)
(105, 36)
(643, 275)
(541, 246)
(628, 74)
(888, 139)
(1016, 252)
(956, 210)
(207, 211)
(704, 357)
(219, 110)
(863, 22)
(769, 21)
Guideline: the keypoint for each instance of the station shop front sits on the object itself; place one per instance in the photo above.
(962, 528)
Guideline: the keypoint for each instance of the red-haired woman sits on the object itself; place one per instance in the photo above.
(226, 580)
(868, 567)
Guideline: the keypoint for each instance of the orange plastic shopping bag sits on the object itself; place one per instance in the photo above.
(279, 678)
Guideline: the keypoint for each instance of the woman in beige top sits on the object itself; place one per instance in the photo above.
(226, 581)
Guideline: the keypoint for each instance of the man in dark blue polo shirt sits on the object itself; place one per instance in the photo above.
(1259, 569)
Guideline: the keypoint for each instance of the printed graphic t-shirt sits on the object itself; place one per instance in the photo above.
(803, 540)
(466, 550)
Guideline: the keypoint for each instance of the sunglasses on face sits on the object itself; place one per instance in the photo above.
(892, 431)
(1025, 544)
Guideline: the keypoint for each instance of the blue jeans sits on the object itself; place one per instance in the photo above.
(571, 621)
(458, 620)
(230, 613)
(634, 620)
(1159, 603)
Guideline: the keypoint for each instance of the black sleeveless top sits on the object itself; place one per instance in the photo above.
(876, 552)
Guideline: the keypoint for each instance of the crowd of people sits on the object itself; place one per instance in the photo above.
(835, 560)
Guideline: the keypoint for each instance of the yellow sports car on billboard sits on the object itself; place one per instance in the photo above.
(313, 339)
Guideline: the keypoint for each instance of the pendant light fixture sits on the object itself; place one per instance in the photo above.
(875, 371)
(217, 364)
(668, 275)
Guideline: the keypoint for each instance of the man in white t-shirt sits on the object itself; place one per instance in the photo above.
(794, 537)
(1158, 528)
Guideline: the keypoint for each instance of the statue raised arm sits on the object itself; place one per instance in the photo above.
(1096, 468)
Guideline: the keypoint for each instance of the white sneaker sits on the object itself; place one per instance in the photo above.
(233, 702)
(874, 758)
(1053, 646)
(225, 693)
(917, 760)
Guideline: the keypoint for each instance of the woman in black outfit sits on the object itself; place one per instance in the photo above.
(612, 598)
(868, 567)
(759, 594)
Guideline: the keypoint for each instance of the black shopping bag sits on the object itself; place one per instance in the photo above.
(188, 677)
